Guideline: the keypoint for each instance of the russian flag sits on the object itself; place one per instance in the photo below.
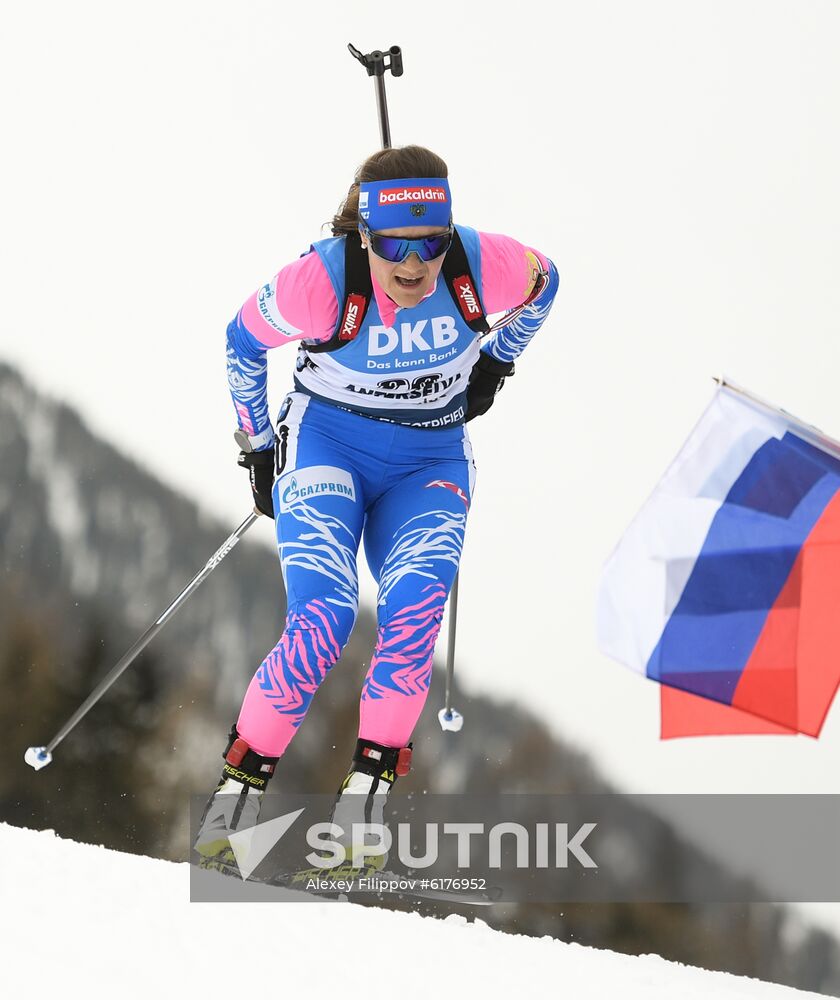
(726, 586)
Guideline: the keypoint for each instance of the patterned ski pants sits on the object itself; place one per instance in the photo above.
(406, 491)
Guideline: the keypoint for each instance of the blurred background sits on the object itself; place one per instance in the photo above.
(677, 162)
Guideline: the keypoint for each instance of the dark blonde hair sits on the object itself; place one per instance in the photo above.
(385, 165)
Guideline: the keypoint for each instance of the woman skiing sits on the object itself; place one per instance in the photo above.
(388, 315)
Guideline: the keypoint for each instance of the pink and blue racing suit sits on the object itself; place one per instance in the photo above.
(371, 442)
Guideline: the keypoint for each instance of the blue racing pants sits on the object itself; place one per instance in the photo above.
(343, 477)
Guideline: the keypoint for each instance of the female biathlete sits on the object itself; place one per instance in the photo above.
(388, 315)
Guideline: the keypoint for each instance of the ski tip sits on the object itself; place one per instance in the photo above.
(450, 721)
(37, 757)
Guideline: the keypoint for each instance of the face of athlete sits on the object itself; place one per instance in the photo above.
(407, 282)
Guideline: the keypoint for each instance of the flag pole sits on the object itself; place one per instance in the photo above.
(807, 431)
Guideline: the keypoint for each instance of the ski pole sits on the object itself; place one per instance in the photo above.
(39, 757)
(374, 63)
(450, 719)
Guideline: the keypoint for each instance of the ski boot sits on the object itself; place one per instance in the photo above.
(234, 805)
(361, 797)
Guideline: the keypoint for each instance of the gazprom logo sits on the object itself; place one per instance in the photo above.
(314, 483)
(267, 305)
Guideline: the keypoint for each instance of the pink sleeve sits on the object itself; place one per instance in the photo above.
(507, 275)
(298, 303)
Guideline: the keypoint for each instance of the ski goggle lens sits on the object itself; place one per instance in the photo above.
(395, 250)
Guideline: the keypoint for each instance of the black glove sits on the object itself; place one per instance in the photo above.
(486, 379)
(260, 466)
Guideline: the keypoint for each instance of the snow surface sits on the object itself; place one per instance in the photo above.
(122, 925)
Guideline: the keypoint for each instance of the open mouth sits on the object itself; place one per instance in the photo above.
(407, 282)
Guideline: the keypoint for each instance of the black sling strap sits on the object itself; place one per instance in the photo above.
(358, 291)
(463, 287)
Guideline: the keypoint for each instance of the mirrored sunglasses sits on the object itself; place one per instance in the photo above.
(395, 250)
